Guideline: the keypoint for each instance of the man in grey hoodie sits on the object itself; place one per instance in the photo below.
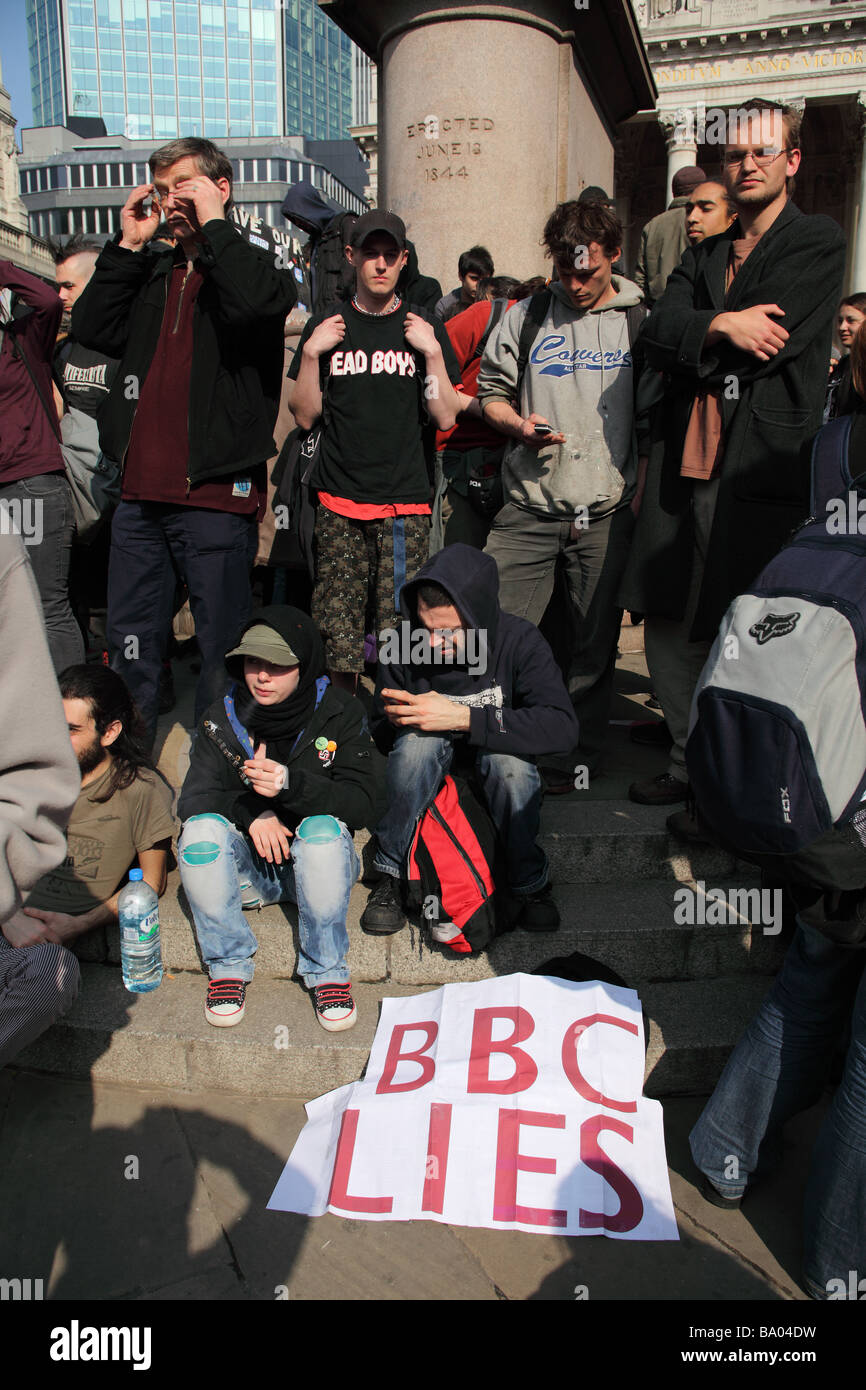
(558, 378)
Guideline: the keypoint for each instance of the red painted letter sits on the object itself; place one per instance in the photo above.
(437, 1158)
(339, 1193)
(509, 1162)
(525, 1070)
(573, 1034)
(428, 1066)
(630, 1201)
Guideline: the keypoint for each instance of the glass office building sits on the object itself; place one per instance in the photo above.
(158, 69)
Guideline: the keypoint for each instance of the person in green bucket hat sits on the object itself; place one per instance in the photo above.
(282, 771)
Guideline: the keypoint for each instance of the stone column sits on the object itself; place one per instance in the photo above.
(858, 259)
(492, 113)
(679, 132)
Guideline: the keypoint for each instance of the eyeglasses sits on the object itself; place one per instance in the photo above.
(763, 158)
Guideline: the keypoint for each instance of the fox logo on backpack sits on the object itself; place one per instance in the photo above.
(777, 744)
(774, 625)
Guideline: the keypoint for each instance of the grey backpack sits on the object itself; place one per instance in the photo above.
(777, 744)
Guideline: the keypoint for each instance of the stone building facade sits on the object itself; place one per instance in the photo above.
(16, 243)
(707, 54)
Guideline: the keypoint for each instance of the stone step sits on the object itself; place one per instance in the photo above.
(279, 1049)
(631, 929)
(617, 841)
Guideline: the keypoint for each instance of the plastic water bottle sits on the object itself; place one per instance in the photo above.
(140, 959)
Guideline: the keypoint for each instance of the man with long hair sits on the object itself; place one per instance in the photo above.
(122, 815)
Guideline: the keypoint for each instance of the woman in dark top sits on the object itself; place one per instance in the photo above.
(851, 313)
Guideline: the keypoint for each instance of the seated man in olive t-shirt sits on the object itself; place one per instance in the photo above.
(123, 816)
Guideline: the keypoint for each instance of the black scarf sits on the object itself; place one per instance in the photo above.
(274, 724)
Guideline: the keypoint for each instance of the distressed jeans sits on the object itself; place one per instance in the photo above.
(222, 875)
(778, 1068)
(512, 788)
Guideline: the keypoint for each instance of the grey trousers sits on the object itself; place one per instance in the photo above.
(675, 663)
(526, 548)
(37, 985)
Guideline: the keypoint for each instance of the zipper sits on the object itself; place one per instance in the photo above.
(467, 861)
(180, 300)
(174, 331)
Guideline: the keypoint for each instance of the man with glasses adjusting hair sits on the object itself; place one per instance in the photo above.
(742, 333)
(199, 328)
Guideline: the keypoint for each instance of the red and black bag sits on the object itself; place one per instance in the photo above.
(451, 867)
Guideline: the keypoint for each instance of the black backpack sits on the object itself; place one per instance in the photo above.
(333, 277)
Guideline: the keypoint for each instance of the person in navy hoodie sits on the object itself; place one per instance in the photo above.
(461, 674)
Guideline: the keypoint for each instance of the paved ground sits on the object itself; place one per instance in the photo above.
(193, 1223)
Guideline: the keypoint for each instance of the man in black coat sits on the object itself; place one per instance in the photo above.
(742, 334)
(199, 328)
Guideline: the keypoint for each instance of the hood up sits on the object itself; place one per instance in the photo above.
(305, 206)
(472, 580)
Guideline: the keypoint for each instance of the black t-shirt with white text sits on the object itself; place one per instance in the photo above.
(373, 385)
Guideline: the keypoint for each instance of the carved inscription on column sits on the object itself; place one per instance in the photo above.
(447, 146)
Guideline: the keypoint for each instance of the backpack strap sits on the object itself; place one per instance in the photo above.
(831, 474)
(536, 313)
(634, 317)
(18, 351)
(497, 309)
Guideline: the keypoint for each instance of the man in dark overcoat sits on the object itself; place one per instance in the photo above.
(742, 336)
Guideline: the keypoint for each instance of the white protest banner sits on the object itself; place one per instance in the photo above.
(511, 1103)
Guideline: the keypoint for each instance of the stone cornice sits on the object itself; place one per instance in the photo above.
(736, 42)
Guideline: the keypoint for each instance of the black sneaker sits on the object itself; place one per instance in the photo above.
(711, 1193)
(224, 1006)
(663, 790)
(335, 1007)
(538, 911)
(383, 914)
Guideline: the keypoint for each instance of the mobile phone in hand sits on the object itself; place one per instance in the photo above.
(542, 430)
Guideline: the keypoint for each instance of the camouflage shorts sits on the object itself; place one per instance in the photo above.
(361, 566)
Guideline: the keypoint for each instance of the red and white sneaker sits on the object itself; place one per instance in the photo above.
(335, 1007)
(224, 1006)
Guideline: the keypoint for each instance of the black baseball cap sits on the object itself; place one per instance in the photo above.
(376, 221)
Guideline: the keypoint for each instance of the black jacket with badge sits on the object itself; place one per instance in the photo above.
(349, 787)
(237, 362)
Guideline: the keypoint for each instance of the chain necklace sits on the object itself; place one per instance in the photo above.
(377, 313)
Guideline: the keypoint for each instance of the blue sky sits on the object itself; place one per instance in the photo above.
(13, 53)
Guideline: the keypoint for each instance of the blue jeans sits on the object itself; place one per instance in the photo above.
(47, 501)
(151, 545)
(222, 874)
(779, 1068)
(512, 788)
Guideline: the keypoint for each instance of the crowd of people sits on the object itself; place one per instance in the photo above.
(638, 444)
